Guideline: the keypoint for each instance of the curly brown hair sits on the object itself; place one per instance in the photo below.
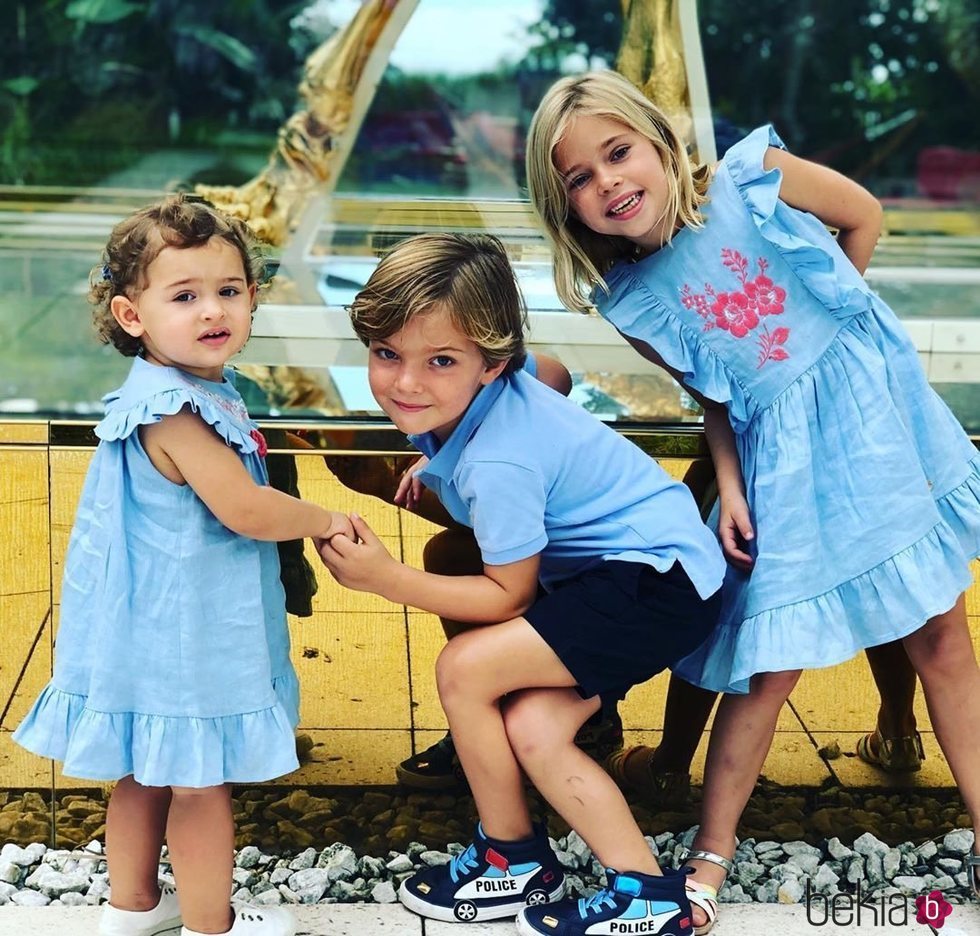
(135, 242)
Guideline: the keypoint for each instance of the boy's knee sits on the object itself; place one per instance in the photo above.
(531, 730)
(458, 665)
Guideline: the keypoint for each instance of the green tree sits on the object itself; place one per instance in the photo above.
(862, 85)
(114, 77)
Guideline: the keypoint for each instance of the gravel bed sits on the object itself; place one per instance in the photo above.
(766, 871)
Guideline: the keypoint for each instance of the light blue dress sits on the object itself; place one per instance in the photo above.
(864, 490)
(172, 659)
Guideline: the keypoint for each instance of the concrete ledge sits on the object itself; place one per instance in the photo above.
(393, 920)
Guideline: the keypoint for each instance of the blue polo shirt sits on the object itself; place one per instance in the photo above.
(531, 472)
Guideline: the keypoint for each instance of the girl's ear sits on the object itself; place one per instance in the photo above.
(127, 315)
(490, 374)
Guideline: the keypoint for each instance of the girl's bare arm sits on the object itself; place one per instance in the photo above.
(833, 198)
(186, 450)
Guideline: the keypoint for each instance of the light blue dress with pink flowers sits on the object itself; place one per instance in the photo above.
(863, 488)
(172, 658)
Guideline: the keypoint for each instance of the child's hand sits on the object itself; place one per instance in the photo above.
(339, 524)
(362, 564)
(735, 531)
(409, 488)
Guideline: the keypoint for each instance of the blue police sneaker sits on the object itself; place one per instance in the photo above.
(489, 881)
(631, 905)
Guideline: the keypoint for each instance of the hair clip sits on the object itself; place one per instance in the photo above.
(106, 272)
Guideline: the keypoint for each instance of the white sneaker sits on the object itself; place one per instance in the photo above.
(256, 921)
(164, 917)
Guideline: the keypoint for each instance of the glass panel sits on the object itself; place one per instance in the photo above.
(879, 89)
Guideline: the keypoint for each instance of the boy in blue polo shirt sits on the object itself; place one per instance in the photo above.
(629, 572)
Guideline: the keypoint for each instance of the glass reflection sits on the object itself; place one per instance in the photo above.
(880, 89)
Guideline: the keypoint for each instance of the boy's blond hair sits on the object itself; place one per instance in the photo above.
(581, 256)
(135, 242)
(469, 276)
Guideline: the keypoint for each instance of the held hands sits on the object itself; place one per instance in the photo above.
(359, 561)
(409, 488)
(735, 531)
(339, 525)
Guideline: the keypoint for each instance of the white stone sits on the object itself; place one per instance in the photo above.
(384, 893)
(790, 892)
(399, 864)
(30, 898)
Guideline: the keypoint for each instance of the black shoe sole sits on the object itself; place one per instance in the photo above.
(422, 782)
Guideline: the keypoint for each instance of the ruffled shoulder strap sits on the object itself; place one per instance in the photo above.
(631, 306)
(151, 392)
(800, 237)
(744, 159)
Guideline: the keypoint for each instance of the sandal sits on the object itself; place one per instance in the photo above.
(705, 896)
(893, 755)
(667, 788)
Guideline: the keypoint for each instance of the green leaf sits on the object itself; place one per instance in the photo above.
(21, 86)
(239, 54)
(101, 11)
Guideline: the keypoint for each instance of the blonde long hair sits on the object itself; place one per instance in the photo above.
(581, 256)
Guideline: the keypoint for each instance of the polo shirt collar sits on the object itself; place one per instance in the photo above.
(444, 456)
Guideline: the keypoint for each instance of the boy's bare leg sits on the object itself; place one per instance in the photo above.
(541, 725)
(201, 837)
(135, 823)
(474, 671)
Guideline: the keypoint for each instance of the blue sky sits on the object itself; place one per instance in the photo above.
(456, 36)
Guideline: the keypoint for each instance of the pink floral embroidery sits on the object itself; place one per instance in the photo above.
(733, 312)
(767, 296)
(769, 342)
(739, 312)
(260, 442)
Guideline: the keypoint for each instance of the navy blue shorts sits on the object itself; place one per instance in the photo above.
(618, 624)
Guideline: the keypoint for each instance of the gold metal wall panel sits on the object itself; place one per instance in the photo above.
(366, 666)
(23, 433)
(20, 769)
(425, 640)
(27, 658)
(25, 604)
(352, 757)
(353, 669)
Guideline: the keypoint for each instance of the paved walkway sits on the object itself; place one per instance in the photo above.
(375, 920)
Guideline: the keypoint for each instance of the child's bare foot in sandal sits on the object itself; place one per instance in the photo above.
(710, 871)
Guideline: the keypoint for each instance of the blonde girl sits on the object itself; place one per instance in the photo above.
(849, 494)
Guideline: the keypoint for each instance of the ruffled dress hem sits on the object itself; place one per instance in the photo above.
(958, 509)
(886, 603)
(164, 750)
